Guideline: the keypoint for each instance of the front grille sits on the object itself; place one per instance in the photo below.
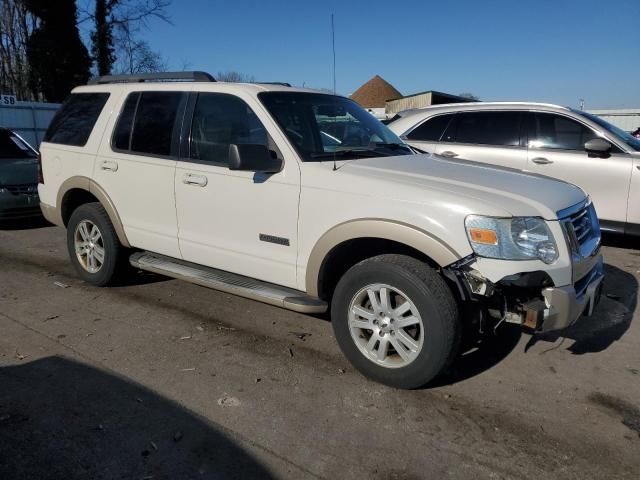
(582, 230)
(29, 189)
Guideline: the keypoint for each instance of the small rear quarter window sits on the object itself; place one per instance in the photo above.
(75, 120)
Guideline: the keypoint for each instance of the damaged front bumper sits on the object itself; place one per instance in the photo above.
(529, 299)
(564, 305)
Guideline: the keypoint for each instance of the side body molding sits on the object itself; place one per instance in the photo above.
(84, 183)
(399, 232)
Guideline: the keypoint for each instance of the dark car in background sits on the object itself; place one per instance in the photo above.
(18, 179)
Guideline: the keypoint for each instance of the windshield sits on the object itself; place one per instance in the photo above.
(618, 132)
(325, 126)
(12, 146)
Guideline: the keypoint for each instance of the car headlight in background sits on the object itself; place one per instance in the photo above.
(518, 238)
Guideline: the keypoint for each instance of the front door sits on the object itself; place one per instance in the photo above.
(242, 222)
(556, 149)
(491, 137)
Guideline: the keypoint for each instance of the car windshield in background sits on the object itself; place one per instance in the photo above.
(625, 136)
(325, 126)
(12, 146)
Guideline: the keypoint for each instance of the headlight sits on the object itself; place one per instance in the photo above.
(518, 238)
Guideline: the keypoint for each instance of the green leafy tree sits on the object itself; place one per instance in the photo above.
(58, 60)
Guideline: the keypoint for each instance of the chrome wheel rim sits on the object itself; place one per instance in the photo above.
(89, 246)
(386, 325)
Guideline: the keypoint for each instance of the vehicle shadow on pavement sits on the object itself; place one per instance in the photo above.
(60, 419)
(610, 320)
(490, 350)
(620, 241)
(30, 224)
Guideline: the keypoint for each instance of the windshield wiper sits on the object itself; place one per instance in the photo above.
(362, 152)
(393, 146)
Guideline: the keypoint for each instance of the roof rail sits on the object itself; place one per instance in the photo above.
(154, 77)
(284, 84)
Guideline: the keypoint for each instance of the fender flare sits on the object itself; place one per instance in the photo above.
(399, 232)
(89, 185)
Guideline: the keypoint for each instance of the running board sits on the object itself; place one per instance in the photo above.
(228, 282)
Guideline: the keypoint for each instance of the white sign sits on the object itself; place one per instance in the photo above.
(8, 100)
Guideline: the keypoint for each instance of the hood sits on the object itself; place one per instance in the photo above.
(472, 184)
(18, 171)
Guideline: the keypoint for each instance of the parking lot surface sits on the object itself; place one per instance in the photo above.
(163, 379)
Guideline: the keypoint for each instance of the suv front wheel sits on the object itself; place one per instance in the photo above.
(396, 320)
(94, 248)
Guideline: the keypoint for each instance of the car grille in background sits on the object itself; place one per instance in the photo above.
(31, 189)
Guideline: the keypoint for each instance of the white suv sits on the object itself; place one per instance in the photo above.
(559, 142)
(301, 199)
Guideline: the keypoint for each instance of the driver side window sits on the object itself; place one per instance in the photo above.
(220, 120)
(548, 130)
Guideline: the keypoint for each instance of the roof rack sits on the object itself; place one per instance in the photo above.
(284, 84)
(154, 77)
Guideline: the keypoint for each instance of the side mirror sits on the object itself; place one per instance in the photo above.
(598, 147)
(253, 158)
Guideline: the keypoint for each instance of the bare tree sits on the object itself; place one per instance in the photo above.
(117, 24)
(136, 56)
(235, 77)
(16, 25)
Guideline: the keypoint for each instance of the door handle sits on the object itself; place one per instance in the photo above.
(542, 161)
(109, 165)
(449, 154)
(638, 167)
(195, 180)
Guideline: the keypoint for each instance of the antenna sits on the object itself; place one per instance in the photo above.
(335, 110)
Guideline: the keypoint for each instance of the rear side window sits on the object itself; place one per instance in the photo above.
(431, 130)
(220, 120)
(148, 123)
(547, 130)
(122, 134)
(488, 128)
(75, 120)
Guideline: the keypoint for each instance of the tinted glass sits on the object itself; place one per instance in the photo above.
(156, 117)
(547, 130)
(488, 128)
(321, 126)
(122, 134)
(12, 146)
(74, 122)
(628, 138)
(431, 130)
(220, 120)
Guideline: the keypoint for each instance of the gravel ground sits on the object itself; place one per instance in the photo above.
(162, 379)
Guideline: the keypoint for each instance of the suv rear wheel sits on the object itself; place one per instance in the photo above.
(396, 320)
(94, 248)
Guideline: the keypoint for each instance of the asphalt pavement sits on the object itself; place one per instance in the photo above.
(160, 379)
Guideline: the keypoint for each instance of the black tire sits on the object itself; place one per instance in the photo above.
(115, 255)
(432, 298)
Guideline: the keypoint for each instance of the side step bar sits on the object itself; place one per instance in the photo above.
(228, 282)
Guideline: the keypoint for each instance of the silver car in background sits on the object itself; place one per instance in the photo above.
(550, 140)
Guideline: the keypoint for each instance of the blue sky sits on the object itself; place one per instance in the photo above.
(539, 50)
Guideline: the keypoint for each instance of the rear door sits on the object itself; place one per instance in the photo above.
(136, 167)
(556, 149)
(491, 137)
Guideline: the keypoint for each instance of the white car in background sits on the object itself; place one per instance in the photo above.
(559, 142)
